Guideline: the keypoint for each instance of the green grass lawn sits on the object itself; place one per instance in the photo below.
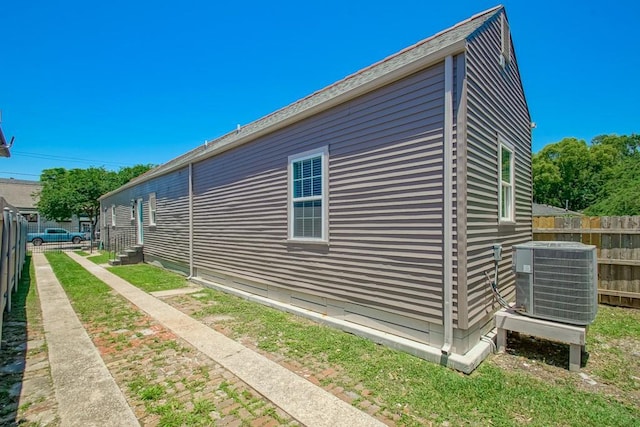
(420, 390)
(149, 278)
(105, 311)
(27, 323)
(101, 257)
(91, 298)
(489, 396)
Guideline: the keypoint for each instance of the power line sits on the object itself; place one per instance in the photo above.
(19, 173)
(63, 158)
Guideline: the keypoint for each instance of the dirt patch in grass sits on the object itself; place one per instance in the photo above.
(547, 361)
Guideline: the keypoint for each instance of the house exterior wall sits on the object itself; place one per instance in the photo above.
(385, 205)
(495, 104)
(168, 240)
(382, 265)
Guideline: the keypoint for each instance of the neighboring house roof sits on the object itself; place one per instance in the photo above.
(5, 204)
(394, 67)
(18, 192)
(546, 210)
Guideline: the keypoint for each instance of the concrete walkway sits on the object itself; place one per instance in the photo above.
(86, 392)
(304, 401)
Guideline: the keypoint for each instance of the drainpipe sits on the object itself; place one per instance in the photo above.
(447, 215)
(191, 270)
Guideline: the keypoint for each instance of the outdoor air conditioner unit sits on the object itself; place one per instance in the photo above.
(557, 281)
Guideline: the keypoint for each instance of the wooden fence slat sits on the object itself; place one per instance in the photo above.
(617, 240)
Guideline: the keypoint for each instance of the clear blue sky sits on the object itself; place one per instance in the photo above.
(118, 83)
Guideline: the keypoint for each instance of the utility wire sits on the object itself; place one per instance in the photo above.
(19, 173)
(62, 158)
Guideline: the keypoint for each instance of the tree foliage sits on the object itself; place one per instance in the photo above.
(601, 178)
(71, 192)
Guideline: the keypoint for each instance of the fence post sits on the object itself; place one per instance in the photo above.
(16, 251)
(3, 291)
(6, 259)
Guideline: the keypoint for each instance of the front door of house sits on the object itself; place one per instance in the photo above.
(139, 221)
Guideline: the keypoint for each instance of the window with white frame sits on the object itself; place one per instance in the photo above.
(133, 210)
(507, 181)
(104, 217)
(152, 209)
(113, 215)
(308, 208)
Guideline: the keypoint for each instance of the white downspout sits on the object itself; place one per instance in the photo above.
(191, 269)
(447, 215)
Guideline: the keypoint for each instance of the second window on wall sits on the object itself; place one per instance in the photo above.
(506, 171)
(308, 195)
(152, 209)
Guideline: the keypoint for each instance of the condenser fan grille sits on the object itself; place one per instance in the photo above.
(557, 281)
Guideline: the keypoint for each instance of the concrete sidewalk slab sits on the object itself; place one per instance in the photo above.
(175, 292)
(306, 402)
(86, 392)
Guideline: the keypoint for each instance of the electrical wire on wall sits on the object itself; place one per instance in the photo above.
(497, 256)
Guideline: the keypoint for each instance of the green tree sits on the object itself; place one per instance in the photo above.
(562, 173)
(600, 177)
(71, 192)
(620, 195)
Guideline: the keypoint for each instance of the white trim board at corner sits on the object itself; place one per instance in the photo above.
(304, 401)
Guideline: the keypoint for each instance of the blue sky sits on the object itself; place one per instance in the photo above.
(120, 83)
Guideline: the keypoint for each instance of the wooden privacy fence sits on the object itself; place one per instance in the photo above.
(618, 243)
(13, 250)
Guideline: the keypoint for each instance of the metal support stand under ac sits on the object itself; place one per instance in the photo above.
(575, 336)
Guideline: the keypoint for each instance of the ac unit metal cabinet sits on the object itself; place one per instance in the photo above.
(557, 281)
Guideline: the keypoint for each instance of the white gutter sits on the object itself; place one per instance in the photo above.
(191, 270)
(447, 215)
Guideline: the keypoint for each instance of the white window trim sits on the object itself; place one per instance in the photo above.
(504, 144)
(324, 153)
(153, 210)
(113, 215)
(133, 210)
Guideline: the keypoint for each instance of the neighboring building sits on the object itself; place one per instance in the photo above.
(548, 210)
(22, 194)
(372, 204)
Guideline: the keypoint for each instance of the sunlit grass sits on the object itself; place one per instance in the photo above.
(490, 395)
(414, 388)
(149, 278)
(100, 257)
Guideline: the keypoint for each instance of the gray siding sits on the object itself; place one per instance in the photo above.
(125, 227)
(169, 239)
(385, 202)
(495, 104)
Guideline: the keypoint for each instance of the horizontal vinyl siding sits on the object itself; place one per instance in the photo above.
(169, 238)
(495, 104)
(385, 203)
(124, 232)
